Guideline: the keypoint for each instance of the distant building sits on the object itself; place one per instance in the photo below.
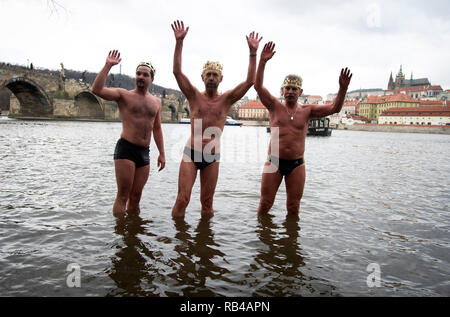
(419, 92)
(402, 82)
(359, 94)
(313, 99)
(372, 107)
(434, 115)
(253, 109)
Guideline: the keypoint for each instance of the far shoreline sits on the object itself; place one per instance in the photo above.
(368, 127)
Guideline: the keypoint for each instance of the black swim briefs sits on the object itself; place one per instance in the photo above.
(125, 150)
(286, 166)
(196, 156)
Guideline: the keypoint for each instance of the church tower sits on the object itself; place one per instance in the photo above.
(400, 79)
(391, 85)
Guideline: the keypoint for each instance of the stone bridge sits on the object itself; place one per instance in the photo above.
(36, 94)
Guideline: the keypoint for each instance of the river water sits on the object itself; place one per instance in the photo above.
(374, 218)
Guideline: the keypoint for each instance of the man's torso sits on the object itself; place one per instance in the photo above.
(291, 133)
(211, 113)
(138, 114)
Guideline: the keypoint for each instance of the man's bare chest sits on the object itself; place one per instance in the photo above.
(140, 107)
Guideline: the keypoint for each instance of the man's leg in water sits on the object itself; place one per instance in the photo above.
(140, 179)
(208, 182)
(269, 186)
(295, 183)
(124, 178)
(186, 179)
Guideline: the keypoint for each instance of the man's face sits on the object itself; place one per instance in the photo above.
(143, 77)
(212, 79)
(291, 93)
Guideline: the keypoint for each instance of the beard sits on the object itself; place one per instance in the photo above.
(140, 84)
(211, 85)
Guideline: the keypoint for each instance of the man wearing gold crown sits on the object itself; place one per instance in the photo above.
(208, 111)
(141, 115)
(289, 125)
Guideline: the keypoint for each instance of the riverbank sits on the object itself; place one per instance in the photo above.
(396, 128)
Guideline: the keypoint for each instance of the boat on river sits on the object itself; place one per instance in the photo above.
(230, 121)
(319, 127)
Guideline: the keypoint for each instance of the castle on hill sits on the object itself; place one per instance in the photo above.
(402, 82)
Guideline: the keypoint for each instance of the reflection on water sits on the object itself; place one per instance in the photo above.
(282, 261)
(58, 187)
(130, 269)
(195, 259)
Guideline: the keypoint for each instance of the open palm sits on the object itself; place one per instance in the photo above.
(345, 77)
(253, 41)
(113, 58)
(268, 51)
(179, 30)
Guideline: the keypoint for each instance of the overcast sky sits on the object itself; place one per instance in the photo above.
(313, 39)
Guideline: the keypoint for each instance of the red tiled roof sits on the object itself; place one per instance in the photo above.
(351, 103)
(419, 88)
(431, 111)
(252, 104)
(390, 98)
(432, 102)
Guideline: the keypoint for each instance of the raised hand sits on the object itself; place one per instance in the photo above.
(179, 30)
(253, 41)
(113, 58)
(345, 77)
(268, 51)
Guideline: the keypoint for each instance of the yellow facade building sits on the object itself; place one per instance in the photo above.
(374, 106)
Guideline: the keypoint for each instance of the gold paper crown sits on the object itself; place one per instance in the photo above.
(212, 66)
(149, 65)
(293, 81)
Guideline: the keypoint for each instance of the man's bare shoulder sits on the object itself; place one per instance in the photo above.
(156, 100)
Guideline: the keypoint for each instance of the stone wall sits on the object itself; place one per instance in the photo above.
(397, 129)
(111, 111)
(64, 108)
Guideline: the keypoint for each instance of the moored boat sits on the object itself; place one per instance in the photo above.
(230, 121)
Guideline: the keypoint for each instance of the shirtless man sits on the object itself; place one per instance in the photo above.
(289, 122)
(141, 114)
(208, 111)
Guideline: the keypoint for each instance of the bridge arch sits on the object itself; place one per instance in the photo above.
(33, 99)
(173, 112)
(89, 105)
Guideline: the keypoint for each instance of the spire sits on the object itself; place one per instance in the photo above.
(400, 73)
(391, 85)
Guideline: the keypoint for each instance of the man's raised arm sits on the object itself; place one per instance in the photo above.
(240, 90)
(183, 82)
(98, 88)
(264, 95)
(319, 111)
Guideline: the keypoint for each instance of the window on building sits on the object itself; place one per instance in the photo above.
(429, 123)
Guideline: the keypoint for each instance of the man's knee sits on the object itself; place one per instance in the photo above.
(183, 200)
(265, 204)
(122, 196)
(135, 197)
(207, 202)
(293, 207)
